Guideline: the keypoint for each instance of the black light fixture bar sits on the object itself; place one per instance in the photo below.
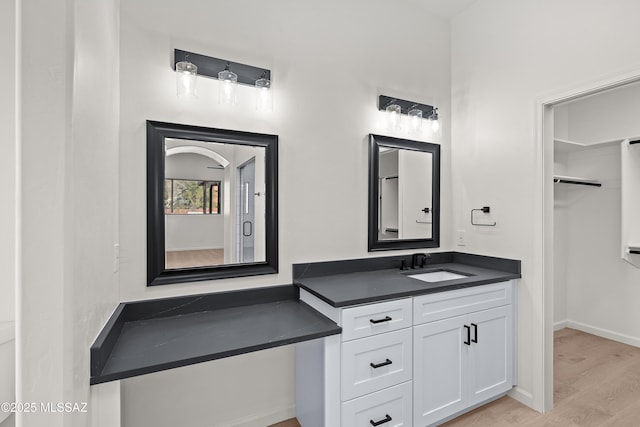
(384, 101)
(209, 66)
(635, 141)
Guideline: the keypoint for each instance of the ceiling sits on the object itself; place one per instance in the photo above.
(444, 8)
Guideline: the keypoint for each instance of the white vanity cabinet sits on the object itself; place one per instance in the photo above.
(463, 351)
(408, 362)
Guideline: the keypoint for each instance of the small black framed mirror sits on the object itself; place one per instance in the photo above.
(212, 203)
(404, 194)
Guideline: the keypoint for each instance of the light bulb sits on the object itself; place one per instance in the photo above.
(434, 123)
(227, 89)
(264, 94)
(415, 120)
(393, 116)
(186, 74)
(435, 126)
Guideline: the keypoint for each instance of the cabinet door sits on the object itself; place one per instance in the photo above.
(490, 358)
(440, 365)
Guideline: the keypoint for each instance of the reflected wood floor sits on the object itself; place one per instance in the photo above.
(289, 423)
(596, 384)
(196, 258)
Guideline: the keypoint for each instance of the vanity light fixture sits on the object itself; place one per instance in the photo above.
(229, 74)
(415, 111)
(186, 77)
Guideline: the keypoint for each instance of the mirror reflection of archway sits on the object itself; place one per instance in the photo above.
(193, 202)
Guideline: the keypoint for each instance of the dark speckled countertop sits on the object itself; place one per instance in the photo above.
(150, 336)
(377, 279)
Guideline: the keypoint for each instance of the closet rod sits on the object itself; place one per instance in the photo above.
(634, 250)
(576, 182)
(635, 141)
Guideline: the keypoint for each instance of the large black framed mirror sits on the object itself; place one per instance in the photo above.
(212, 203)
(404, 194)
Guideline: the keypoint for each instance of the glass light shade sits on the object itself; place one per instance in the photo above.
(415, 120)
(186, 75)
(434, 123)
(435, 126)
(393, 116)
(264, 95)
(228, 81)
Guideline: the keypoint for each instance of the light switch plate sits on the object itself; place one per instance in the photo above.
(461, 239)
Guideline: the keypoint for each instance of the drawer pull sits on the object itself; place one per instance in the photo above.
(386, 419)
(380, 365)
(376, 321)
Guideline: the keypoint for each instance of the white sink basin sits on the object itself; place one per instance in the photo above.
(437, 276)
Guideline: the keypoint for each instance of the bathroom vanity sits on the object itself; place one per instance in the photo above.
(418, 346)
(375, 344)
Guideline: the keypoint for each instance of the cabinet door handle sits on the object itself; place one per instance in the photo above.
(380, 365)
(475, 333)
(386, 419)
(468, 341)
(375, 321)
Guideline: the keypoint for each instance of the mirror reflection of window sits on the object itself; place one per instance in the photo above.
(185, 196)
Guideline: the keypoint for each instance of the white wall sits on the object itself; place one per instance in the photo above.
(606, 116)
(70, 198)
(329, 60)
(235, 391)
(45, 98)
(7, 160)
(505, 56)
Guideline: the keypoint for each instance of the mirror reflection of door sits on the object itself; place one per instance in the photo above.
(405, 194)
(246, 210)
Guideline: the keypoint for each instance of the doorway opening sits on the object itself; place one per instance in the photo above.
(246, 192)
(583, 136)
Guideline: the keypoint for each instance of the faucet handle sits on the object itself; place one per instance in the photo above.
(424, 259)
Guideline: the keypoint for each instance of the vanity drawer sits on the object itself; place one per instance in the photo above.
(372, 319)
(373, 363)
(428, 308)
(391, 407)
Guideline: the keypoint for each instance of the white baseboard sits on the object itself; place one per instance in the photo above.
(263, 419)
(604, 333)
(560, 325)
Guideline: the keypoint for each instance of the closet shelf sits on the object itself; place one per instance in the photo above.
(566, 145)
(558, 179)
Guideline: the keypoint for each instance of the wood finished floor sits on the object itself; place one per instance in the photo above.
(596, 384)
(195, 258)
